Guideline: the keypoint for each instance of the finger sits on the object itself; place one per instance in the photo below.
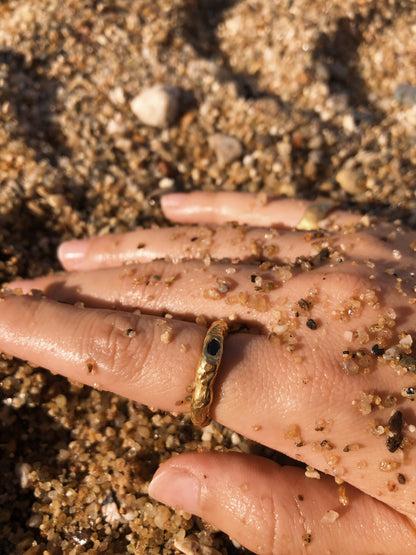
(183, 290)
(192, 242)
(197, 242)
(277, 510)
(243, 208)
(177, 243)
(299, 402)
(149, 360)
(240, 294)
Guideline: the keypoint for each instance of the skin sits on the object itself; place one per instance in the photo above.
(297, 399)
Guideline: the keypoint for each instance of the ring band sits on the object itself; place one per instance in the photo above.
(314, 214)
(206, 372)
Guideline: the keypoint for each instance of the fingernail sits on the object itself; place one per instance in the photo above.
(176, 487)
(24, 284)
(72, 252)
(172, 200)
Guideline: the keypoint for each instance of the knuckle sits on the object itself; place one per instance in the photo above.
(344, 281)
(371, 243)
(106, 343)
(270, 509)
(151, 282)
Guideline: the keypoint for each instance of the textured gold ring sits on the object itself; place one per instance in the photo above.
(315, 213)
(206, 372)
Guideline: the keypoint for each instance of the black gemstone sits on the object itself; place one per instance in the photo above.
(395, 423)
(311, 324)
(213, 347)
(393, 442)
(323, 254)
(378, 351)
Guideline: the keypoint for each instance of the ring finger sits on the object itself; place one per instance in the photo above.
(263, 390)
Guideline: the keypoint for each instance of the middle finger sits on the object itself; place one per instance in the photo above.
(274, 300)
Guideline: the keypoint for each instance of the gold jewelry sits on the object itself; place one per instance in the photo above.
(315, 213)
(206, 372)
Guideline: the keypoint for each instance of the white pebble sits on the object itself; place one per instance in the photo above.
(157, 106)
(110, 512)
(22, 471)
(235, 438)
(329, 517)
(116, 96)
(166, 183)
(115, 125)
(162, 516)
(406, 341)
(348, 123)
(190, 546)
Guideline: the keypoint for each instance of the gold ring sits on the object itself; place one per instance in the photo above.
(315, 213)
(206, 372)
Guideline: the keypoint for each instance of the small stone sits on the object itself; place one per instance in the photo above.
(284, 150)
(311, 472)
(116, 125)
(311, 324)
(157, 106)
(378, 351)
(190, 545)
(409, 393)
(350, 181)
(117, 96)
(310, 170)
(226, 147)
(162, 516)
(330, 517)
(408, 362)
(166, 183)
(22, 472)
(111, 513)
(405, 94)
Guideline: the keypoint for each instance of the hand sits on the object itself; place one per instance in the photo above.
(320, 376)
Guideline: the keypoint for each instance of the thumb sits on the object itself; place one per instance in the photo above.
(272, 509)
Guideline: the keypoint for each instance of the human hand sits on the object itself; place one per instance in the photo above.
(325, 311)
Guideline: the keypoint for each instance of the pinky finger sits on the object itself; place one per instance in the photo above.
(277, 510)
(243, 208)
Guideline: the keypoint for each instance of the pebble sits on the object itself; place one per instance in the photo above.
(405, 94)
(166, 183)
(157, 106)
(22, 472)
(350, 181)
(190, 545)
(226, 147)
(110, 512)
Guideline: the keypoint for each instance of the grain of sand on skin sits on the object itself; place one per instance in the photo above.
(304, 117)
